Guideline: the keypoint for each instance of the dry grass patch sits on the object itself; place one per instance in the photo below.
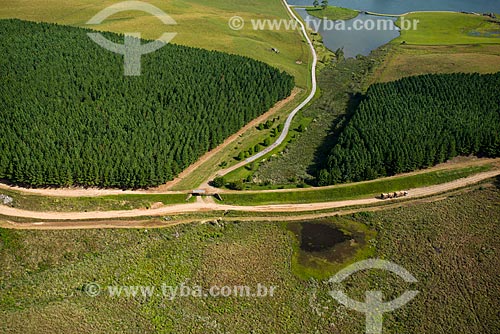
(409, 60)
(246, 261)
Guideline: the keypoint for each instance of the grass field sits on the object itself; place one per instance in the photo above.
(199, 23)
(408, 60)
(451, 28)
(354, 190)
(450, 246)
(42, 287)
(332, 13)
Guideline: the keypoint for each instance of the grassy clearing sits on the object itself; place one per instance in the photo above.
(451, 28)
(298, 163)
(199, 24)
(450, 246)
(409, 60)
(248, 171)
(332, 13)
(101, 203)
(355, 190)
(443, 43)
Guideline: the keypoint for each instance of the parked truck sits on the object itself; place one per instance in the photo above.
(396, 194)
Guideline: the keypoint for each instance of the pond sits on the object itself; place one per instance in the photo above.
(320, 237)
(405, 6)
(354, 41)
(324, 246)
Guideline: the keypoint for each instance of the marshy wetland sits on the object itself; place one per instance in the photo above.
(324, 246)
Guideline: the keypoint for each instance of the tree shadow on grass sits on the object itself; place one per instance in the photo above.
(337, 127)
(497, 182)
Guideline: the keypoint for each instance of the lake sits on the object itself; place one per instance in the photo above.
(353, 41)
(363, 41)
(404, 6)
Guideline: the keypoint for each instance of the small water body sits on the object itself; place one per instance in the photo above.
(325, 245)
(325, 240)
(405, 6)
(320, 237)
(353, 40)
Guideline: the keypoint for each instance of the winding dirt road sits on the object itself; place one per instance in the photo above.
(290, 117)
(201, 206)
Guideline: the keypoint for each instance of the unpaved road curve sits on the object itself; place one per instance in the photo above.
(207, 206)
(290, 117)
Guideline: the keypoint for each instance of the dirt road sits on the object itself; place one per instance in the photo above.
(160, 223)
(290, 117)
(202, 206)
